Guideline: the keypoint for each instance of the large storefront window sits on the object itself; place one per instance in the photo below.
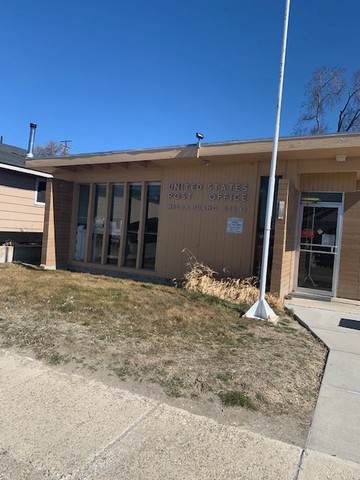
(81, 224)
(133, 225)
(124, 224)
(151, 225)
(98, 223)
(115, 223)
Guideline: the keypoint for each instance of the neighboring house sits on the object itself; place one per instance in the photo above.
(134, 212)
(22, 204)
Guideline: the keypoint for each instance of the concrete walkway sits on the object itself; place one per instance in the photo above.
(335, 429)
(59, 426)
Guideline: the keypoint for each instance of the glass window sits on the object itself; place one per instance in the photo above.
(124, 224)
(98, 223)
(314, 197)
(264, 187)
(81, 226)
(318, 247)
(151, 225)
(133, 225)
(40, 191)
(115, 223)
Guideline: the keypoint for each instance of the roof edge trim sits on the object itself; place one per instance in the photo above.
(25, 170)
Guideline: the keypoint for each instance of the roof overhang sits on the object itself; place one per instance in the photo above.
(27, 171)
(314, 147)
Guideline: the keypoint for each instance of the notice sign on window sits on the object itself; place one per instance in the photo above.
(234, 225)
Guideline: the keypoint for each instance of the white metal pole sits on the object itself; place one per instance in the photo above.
(261, 309)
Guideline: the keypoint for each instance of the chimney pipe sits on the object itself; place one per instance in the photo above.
(31, 140)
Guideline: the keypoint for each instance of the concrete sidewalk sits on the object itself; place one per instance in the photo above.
(335, 429)
(59, 426)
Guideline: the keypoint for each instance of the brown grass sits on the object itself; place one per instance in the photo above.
(201, 278)
(192, 345)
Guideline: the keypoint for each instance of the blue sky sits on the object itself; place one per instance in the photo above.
(118, 74)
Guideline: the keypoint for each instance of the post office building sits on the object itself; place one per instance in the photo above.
(136, 212)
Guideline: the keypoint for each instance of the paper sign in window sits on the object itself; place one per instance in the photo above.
(327, 239)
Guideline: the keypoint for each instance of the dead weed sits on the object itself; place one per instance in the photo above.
(201, 278)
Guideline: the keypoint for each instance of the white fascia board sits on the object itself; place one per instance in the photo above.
(25, 170)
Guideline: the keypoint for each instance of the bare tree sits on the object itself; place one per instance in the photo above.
(51, 149)
(322, 93)
(349, 115)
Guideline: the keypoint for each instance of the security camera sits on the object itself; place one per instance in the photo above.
(199, 136)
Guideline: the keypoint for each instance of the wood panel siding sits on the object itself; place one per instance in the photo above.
(63, 197)
(48, 251)
(349, 270)
(18, 212)
(292, 234)
(279, 263)
(115, 174)
(328, 182)
(198, 224)
(57, 226)
(285, 240)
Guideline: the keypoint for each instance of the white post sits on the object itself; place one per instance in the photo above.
(261, 308)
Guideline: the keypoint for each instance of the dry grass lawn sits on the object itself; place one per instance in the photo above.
(189, 344)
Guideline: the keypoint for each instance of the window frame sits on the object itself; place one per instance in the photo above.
(37, 191)
(121, 263)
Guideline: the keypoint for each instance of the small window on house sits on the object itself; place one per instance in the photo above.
(40, 192)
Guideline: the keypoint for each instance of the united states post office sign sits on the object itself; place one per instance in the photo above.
(215, 191)
(186, 195)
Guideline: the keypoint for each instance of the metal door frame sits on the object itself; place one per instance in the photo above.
(336, 254)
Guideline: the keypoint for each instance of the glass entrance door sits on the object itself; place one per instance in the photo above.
(319, 247)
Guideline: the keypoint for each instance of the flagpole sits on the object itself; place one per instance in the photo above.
(261, 309)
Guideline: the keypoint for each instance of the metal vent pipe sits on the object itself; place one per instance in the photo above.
(31, 141)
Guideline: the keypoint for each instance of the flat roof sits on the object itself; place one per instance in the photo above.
(319, 146)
